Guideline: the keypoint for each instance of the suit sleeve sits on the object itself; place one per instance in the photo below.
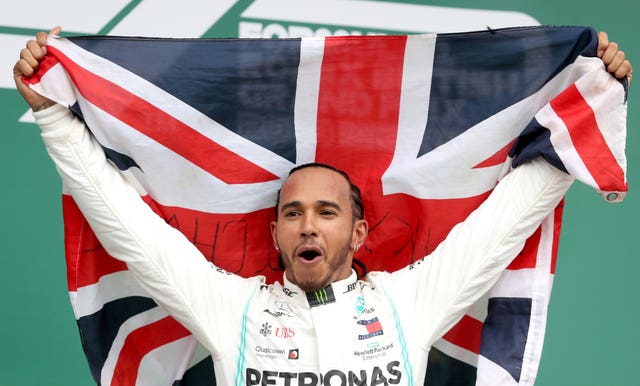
(169, 267)
(475, 253)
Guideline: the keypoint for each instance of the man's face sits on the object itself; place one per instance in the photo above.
(315, 231)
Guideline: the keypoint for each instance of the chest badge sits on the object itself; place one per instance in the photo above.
(373, 327)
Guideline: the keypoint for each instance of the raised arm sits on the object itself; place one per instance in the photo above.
(475, 253)
(169, 267)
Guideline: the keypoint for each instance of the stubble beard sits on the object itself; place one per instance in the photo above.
(311, 284)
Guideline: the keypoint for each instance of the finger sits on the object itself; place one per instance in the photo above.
(22, 68)
(41, 38)
(624, 70)
(610, 53)
(36, 50)
(56, 30)
(26, 56)
(603, 42)
(616, 62)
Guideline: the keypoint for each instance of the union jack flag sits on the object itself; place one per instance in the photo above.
(206, 130)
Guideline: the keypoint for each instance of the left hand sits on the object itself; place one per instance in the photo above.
(613, 58)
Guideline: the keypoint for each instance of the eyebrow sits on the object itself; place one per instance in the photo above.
(317, 204)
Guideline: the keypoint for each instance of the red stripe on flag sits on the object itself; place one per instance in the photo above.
(528, 257)
(162, 127)
(358, 104)
(87, 261)
(467, 333)
(498, 158)
(73, 231)
(222, 238)
(557, 227)
(139, 343)
(587, 139)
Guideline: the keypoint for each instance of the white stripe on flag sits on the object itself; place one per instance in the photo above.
(456, 352)
(563, 145)
(413, 110)
(56, 85)
(306, 104)
(514, 284)
(599, 89)
(494, 374)
(165, 173)
(478, 310)
(90, 299)
(540, 294)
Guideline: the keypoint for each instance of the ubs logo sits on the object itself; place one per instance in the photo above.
(279, 332)
(285, 332)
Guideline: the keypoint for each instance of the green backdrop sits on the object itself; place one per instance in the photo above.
(592, 335)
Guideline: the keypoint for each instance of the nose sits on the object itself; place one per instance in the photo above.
(308, 226)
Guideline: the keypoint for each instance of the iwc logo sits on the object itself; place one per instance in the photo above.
(265, 330)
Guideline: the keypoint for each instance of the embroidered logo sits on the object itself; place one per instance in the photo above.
(373, 327)
(359, 305)
(320, 297)
(266, 329)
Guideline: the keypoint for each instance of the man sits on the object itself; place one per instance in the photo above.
(322, 325)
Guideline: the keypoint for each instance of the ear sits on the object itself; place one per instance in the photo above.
(274, 233)
(360, 232)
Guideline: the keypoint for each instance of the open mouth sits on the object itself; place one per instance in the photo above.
(309, 253)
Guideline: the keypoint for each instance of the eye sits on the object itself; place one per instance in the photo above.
(292, 213)
(327, 213)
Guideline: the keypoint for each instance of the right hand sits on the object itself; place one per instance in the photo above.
(30, 58)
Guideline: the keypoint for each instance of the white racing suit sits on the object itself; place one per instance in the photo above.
(373, 332)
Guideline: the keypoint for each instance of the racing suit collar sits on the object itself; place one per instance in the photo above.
(330, 294)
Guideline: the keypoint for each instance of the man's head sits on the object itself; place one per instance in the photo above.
(319, 225)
